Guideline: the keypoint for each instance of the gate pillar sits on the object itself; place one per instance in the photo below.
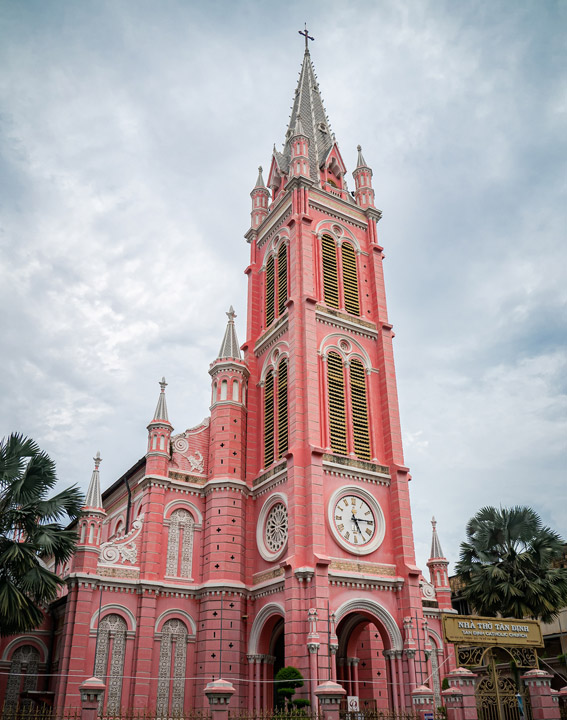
(453, 702)
(219, 693)
(545, 703)
(329, 695)
(423, 701)
(464, 681)
(92, 690)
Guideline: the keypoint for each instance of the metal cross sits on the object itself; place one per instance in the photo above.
(308, 37)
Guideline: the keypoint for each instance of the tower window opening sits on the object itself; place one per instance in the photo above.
(224, 390)
(344, 294)
(330, 277)
(269, 420)
(359, 404)
(235, 390)
(350, 279)
(337, 414)
(282, 409)
(276, 284)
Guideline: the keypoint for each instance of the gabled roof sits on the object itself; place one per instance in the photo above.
(308, 109)
(230, 348)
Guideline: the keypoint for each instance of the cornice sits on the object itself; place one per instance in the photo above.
(356, 469)
(350, 324)
(335, 207)
(275, 217)
(271, 335)
(275, 475)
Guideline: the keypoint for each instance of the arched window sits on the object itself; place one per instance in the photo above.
(180, 544)
(343, 295)
(269, 420)
(359, 405)
(350, 279)
(22, 677)
(172, 664)
(276, 285)
(338, 387)
(337, 414)
(109, 661)
(330, 278)
(235, 390)
(282, 408)
(224, 390)
(276, 425)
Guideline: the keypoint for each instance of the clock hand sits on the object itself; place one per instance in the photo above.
(366, 521)
(356, 523)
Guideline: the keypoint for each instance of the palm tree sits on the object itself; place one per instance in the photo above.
(507, 565)
(30, 532)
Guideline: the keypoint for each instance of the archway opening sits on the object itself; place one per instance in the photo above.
(363, 669)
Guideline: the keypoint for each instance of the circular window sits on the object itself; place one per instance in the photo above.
(272, 527)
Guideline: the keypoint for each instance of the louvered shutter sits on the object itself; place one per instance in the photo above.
(282, 409)
(269, 420)
(282, 278)
(350, 279)
(359, 405)
(330, 279)
(337, 415)
(270, 291)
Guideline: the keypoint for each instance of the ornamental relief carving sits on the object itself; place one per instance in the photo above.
(181, 445)
(122, 549)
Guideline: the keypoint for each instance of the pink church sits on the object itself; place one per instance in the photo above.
(277, 531)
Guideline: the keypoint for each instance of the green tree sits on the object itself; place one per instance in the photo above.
(507, 565)
(287, 680)
(30, 532)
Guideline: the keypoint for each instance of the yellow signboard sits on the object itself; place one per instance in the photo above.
(472, 630)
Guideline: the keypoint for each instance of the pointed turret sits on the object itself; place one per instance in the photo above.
(260, 197)
(94, 497)
(363, 193)
(230, 347)
(159, 434)
(299, 164)
(90, 525)
(438, 565)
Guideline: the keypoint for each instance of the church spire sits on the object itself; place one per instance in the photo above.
(94, 497)
(230, 348)
(308, 113)
(438, 573)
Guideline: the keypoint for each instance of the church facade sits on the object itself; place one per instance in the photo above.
(278, 531)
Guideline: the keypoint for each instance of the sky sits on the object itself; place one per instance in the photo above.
(130, 137)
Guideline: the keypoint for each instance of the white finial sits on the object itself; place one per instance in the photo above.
(231, 314)
(162, 384)
(97, 460)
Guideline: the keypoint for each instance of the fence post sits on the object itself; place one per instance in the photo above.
(544, 705)
(329, 695)
(464, 681)
(453, 702)
(219, 693)
(423, 701)
(92, 690)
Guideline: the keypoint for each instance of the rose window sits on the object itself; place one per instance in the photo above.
(276, 527)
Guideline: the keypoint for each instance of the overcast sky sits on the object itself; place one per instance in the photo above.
(130, 136)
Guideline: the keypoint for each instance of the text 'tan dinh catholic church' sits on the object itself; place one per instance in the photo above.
(278, 531)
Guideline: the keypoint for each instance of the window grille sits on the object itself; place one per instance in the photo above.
(330, 279)
(359, 403)
(282, 278)
(270, 291)
(350, 279)
(269, 420)
(282, 409)
(337, 416)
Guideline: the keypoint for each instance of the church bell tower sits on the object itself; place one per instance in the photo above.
(324, 461)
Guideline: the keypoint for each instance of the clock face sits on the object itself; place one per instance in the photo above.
(354, 520)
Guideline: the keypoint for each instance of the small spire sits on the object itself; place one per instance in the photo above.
(361, 162)
(161, 408)
(436, 551)
(260, 180)
(299, 128)
(230, 347)
(94, 498)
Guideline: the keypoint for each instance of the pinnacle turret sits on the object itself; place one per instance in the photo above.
(360, 162)
(436, 551)
(161, 409)
(260, 181)
(230, 348)
(94, 497)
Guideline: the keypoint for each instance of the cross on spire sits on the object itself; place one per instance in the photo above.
(307, 36)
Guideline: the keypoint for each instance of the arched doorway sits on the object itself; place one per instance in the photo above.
(369, 656)
(266, 656)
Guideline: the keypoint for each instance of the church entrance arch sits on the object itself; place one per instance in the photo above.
(266, 655)
(369, 655)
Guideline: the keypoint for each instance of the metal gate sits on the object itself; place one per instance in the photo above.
(499, 698)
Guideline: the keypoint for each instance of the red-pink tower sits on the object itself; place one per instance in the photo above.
(223, 600)
(82, 581)
(329, 498)
(438, 565)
